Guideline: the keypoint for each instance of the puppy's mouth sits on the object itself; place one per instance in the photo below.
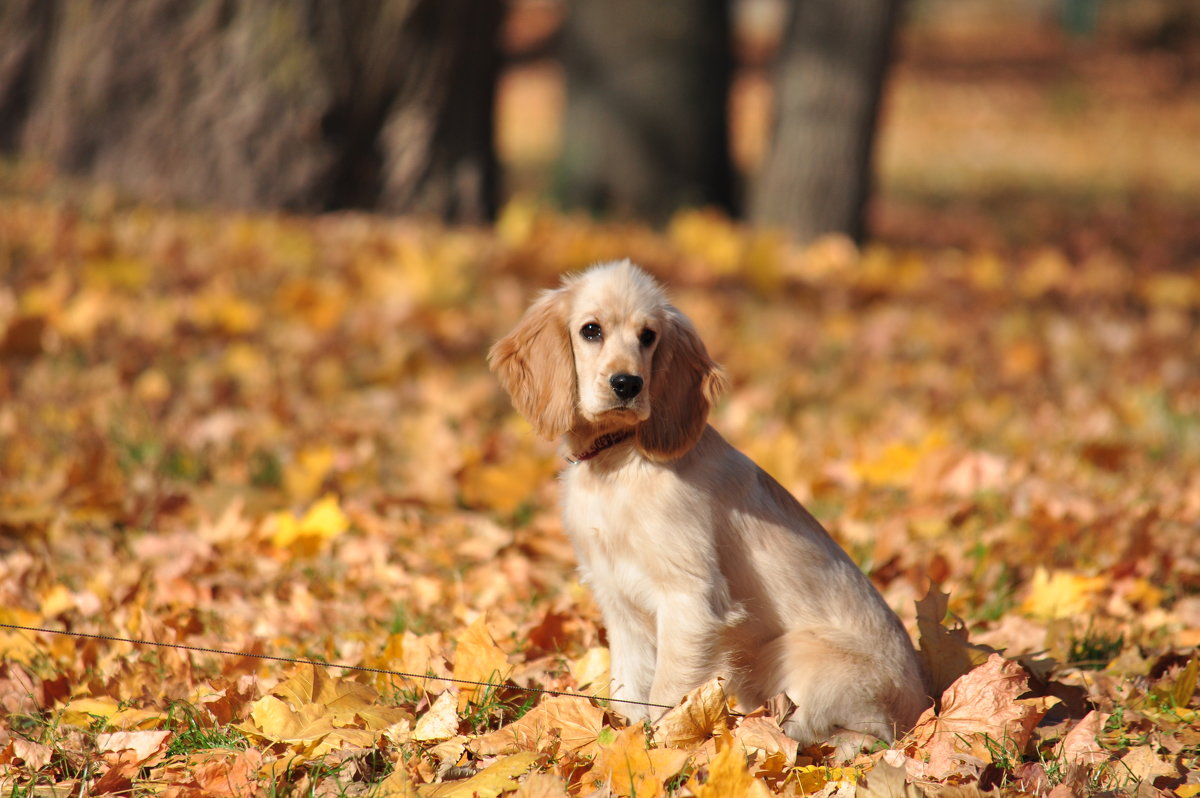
(626, 412)
(623, 414)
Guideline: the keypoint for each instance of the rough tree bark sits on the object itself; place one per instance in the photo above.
(816, 177)
(438, 139)
(24, 35)
(646, 127)
(297, 104)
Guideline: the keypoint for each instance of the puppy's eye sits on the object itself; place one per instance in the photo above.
(647, 337)
(591, 331)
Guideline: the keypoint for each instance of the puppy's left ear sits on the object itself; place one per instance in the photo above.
(684, 384)
(536, 365)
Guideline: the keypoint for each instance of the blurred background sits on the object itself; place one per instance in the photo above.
(965, 123)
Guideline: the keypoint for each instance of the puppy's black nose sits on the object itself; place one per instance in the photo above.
(625, 386)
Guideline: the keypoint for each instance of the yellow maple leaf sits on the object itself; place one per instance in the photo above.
(591, 671)
(813, 778)
(478, 659)
(564, 720)
(896, 464)
(323, 522)
(84, 711)
(313, 685)
(728, 777)
(1061, 594)
(630, 768)
(302, 477)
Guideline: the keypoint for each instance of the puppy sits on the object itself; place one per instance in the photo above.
(701, 563)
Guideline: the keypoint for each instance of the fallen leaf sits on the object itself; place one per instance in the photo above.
(630, 768)
(573, 722)
(478, 659)
(886, 780)
(759, 732)
(980, 711)
(312, 684)
(143, 744)
(440, 722)
(497, 778)
(591, 671)
(396, 785)
(1061, 594)
(34, 755)
(541, 785)
(224, 773)
(945, 651)
(1144, 765)
(700, 715)
(311, 533)
(1081, 743)
(728, 777)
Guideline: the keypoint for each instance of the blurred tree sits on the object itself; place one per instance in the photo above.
(265, 103)
(24, 30)
(816, 176)
(646, 128)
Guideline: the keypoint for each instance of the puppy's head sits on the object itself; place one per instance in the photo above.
(607, 351)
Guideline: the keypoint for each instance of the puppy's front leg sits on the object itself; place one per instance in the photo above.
(688, 641)
(631, 648)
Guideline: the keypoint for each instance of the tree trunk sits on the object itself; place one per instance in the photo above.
(24, 36)
(817, 176)
(439, 139)
(646, 128)
(267, 103)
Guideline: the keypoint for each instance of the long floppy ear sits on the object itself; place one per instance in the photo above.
(684, 383)
(536, 366)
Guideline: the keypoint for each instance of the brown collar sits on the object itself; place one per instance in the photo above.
(606, 441)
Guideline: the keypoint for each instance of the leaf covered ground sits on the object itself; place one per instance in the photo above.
(278, 435)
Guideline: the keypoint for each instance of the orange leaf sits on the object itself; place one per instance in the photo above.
(478, 659)
(630, 768)
(572, 721)
(979, 711)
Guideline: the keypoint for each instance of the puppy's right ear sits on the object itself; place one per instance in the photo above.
(536, 365)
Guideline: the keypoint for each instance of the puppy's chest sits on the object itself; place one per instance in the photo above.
(639, 523)
(603, 524)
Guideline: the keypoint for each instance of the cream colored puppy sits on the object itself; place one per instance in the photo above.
(701, 563)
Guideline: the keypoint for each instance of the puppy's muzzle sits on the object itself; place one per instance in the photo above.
(626, 386)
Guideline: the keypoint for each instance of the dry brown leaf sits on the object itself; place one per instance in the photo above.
(979, 710)
(1081, 743)
(541, 785)
(887, 780)
(945, 651)
(441, 721)
(759, 732)
(1145, 765)
(398, 784)
(572, 721)
(700, 715)
(143, 744)
(220, 773)
(34, 755)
